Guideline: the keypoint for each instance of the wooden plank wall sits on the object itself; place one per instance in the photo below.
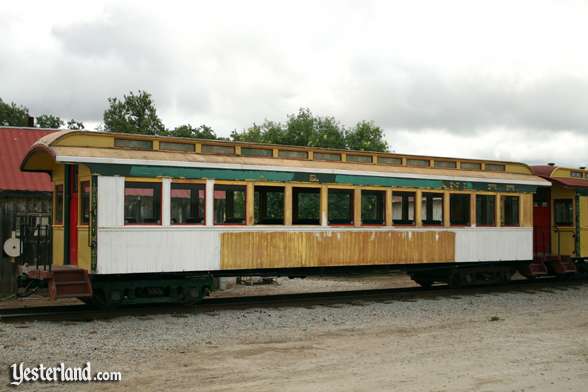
(249, 250)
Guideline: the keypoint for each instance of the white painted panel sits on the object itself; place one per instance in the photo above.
(111, 201)
(209, 215)
(133, 249)
(139, 250)
(493, 244)
(166, 202)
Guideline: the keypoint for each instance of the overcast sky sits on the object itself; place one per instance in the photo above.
(488, 79)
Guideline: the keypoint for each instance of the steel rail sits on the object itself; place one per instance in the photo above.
(83, 312)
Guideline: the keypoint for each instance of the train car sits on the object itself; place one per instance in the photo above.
(561, 221)
(143, 218)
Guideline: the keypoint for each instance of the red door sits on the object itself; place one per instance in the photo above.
(73, 216)
(542, 222)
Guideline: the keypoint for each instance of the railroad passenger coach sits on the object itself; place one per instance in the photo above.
(142, 217)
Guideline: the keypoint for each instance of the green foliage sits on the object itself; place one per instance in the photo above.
(135, 113)
(49, 121)
(306, 129)
(366, 136)
(13, 115)
(73, 124)
(202, 132)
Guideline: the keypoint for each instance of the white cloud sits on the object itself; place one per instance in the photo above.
(471, 78)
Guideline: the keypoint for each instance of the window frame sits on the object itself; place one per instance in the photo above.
(183, 183)
(60, 221)
(230, 185)
(426, 199)
(294, 204)
(468, 210)
(405, 222)
(478, 204)
(144, 182)
(502, 209)
(284, 206)
(562, 201)
(351, 192)
(81, 202)
(373, 191)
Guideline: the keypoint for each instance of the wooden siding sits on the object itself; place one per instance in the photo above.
(526, 210)
(106, 140)
(84, 260)
(319, 249)
(57, 245)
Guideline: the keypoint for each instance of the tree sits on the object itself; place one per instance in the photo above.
(328, 133)
(300, 128)
(202, 132)
(73, 124)
(135, 113)
(305, 129)
(366, 136)
(269, 132)
(49, 121)
(13, 115)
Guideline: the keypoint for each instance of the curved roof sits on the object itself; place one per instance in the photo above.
(101, 148)
(568, 177)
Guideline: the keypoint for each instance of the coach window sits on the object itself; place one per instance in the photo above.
(269, 205)
(340, 208)
(372, 207)
(432, 208)
(306, 206)
(485, 210)
(229, 204)
(403, 208)
(459, 209)
(509, 209)
(142, 203)
(84, 202)
(187, 204)
(58, 204)
(563, 212)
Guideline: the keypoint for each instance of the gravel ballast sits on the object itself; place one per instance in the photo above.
(524, 340)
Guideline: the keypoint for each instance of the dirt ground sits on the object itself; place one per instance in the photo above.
(522, 341)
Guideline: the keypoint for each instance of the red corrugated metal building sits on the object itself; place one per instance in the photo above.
(14, 145)
(25, 202)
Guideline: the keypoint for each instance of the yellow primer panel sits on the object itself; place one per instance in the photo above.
(57, 245)
(249, 250)
(86, 140)
(83, 248)
(583, 226)
(527, 210)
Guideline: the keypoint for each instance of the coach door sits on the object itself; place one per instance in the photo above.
(542, 222)
(582, 234)
(563, 240)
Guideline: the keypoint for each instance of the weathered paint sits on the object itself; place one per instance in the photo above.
(57, 240)
(84, 257)
(494, 244)
(284, 176)
(526, 207)
(111, 201)
(157, 249)
(320, 249)
(105, 141)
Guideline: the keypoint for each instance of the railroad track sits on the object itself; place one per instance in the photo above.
(84, 312)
